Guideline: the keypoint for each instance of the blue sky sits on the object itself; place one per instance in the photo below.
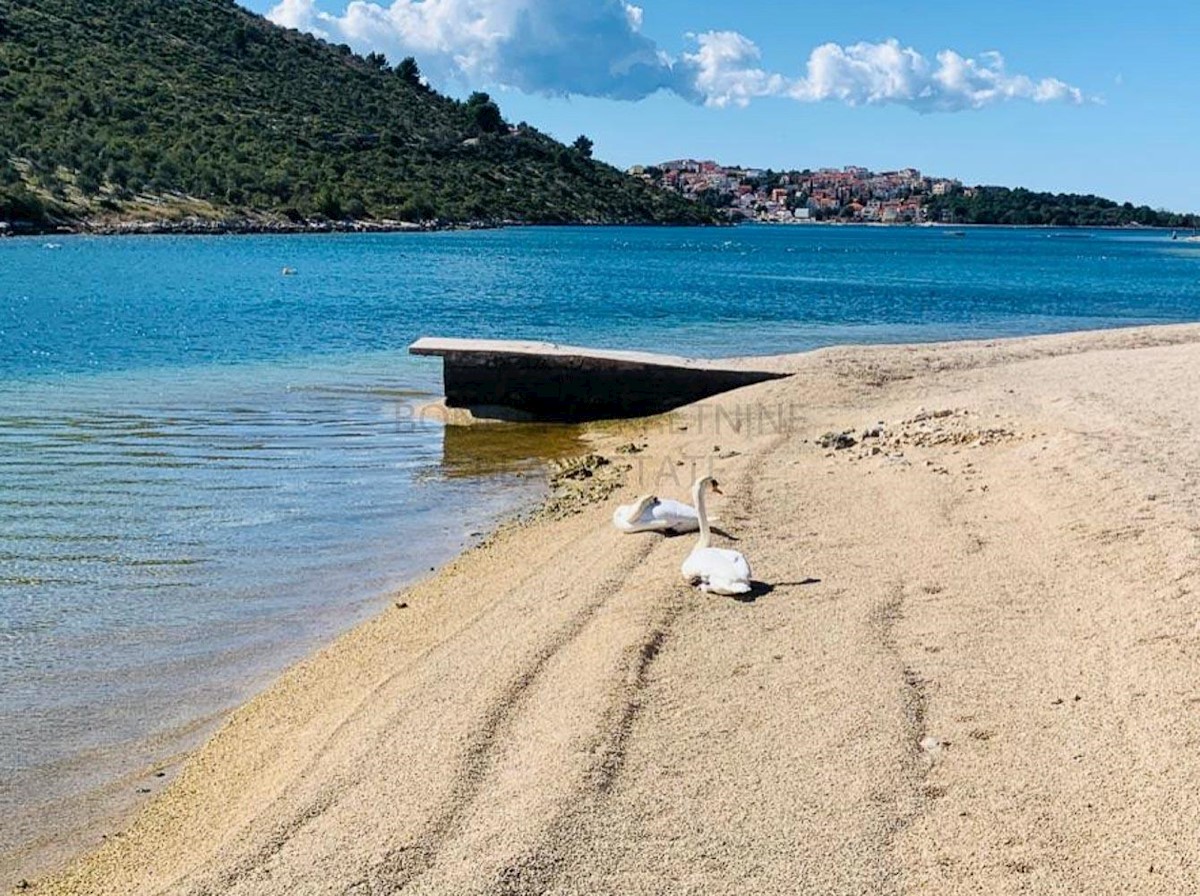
(1100, 97)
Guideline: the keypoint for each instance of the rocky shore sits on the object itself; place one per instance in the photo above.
(195, 226)
(208, 226)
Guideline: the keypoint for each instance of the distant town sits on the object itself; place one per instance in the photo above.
(851, 193)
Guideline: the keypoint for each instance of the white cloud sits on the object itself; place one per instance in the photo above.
(587, 47)
(864, 74)
(299, 14)
(724, 69)
(597, 48)
(877, 74)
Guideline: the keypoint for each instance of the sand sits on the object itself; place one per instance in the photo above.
(973, 665)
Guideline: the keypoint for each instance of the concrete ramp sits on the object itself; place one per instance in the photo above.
(565, 383)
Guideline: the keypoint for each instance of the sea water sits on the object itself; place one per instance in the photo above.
(208, 466)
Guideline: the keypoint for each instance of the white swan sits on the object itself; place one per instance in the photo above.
(715, 570)
(649, 513)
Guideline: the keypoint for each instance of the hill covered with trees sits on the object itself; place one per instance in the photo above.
(119, 110)
(1001, 205)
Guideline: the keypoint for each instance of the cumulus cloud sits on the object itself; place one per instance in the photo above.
(597, 48)
(589, 48)
(724, 69)
(299, 14)
(876, 74)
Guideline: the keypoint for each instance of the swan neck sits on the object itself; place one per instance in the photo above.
(702, 513)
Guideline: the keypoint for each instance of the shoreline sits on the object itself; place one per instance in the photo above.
(256, 227)
(197, 226)
(540, 690)
(237, 227)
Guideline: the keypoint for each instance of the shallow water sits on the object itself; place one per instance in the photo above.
(207, 468)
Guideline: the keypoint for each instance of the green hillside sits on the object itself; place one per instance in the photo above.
(117, 110)
(1001, 205)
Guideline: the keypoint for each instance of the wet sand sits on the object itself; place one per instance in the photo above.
(972, 665)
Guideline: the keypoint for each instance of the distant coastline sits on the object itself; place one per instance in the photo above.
(857, 195)
(230, 226)
(248, 226)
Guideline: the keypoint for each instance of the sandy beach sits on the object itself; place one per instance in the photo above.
(972, 666)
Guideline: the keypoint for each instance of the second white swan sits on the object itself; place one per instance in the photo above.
(649, 513)
(715, 570)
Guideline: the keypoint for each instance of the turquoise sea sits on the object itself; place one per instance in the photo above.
(207, 468)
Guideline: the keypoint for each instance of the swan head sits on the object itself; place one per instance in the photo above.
(644, 503)
(629, 513)
(709, 482)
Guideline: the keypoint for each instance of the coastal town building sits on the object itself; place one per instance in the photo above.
(851, 193)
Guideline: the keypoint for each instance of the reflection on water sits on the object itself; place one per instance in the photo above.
(493, 449)
(169, 541)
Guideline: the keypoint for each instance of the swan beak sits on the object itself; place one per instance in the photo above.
(716, 489)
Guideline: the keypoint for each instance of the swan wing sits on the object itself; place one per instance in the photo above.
(627, 519)
(740, 565)
(677, 516)
(669, 508)
(717, 570)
